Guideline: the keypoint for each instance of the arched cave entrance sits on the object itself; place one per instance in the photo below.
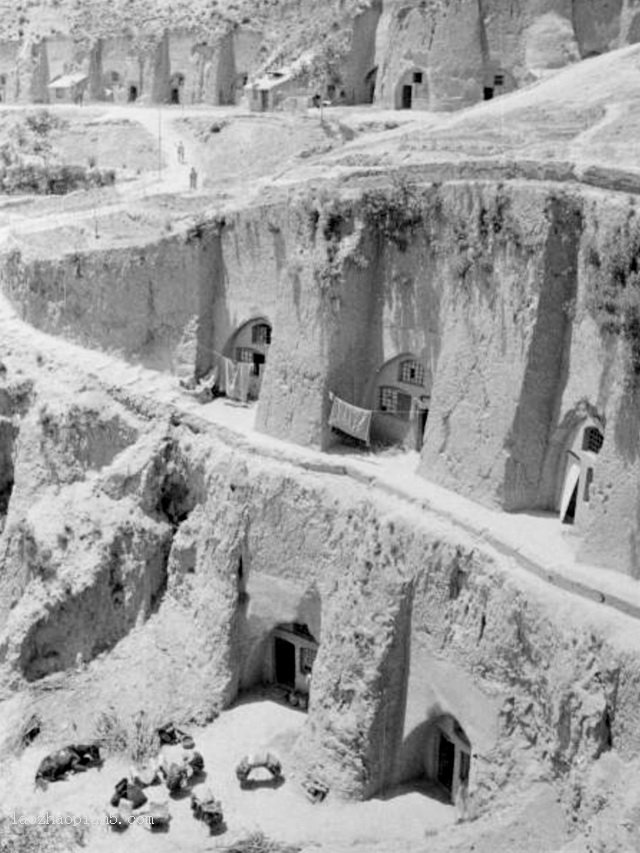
(447, 755)
(291, 654)
(401, 399)
(580, 461)
(497, 82)
(370, 84)
(176, 85)
(412, 90)
(249, 346)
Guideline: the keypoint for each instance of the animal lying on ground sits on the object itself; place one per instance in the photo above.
(170, 735)
(71, 759)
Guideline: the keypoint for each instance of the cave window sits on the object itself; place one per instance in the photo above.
(498, 80)
(411, 372)
(3, 79)
(592, 440)
(394, 402)
(417, 76)
(244, 354)
(115, 77)
(261, 334)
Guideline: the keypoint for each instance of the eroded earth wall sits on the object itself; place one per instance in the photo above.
(173, 552)
(461, 45)
(505, 292)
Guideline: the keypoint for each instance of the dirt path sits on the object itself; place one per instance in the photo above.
(171, 177)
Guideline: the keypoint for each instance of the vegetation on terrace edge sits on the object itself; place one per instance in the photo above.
(613, 297)
(28, 161)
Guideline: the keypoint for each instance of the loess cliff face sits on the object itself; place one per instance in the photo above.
(497, 288)
(176, 554)
(466, 48)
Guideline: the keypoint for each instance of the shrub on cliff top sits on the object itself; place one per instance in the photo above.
(41, 179)
(394, 213)
(613, 296)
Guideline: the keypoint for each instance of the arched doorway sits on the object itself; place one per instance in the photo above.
(132, 93)
(291, 655)
(401, 400)
(580, 461)
(370, 84)
(176, 84)
(497, 82)
(447, 756)
(249, 345)
(412, 90)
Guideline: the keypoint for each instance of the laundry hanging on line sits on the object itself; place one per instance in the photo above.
(350, 419)
(237, 376)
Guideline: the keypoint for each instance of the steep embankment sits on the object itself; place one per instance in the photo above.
(499, 287)
(135, 549)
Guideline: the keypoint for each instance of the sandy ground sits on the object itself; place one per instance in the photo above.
(397, 823)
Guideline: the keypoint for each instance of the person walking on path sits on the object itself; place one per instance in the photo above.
(193, 178)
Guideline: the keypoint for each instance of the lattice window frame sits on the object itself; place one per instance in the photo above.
(592, 439)
(411, 372)
(261, 334)
(244, 355)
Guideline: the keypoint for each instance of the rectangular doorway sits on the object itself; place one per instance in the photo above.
(446, 762)
(285, 655)
(258, 361)
(407, 97)
(420, 426)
